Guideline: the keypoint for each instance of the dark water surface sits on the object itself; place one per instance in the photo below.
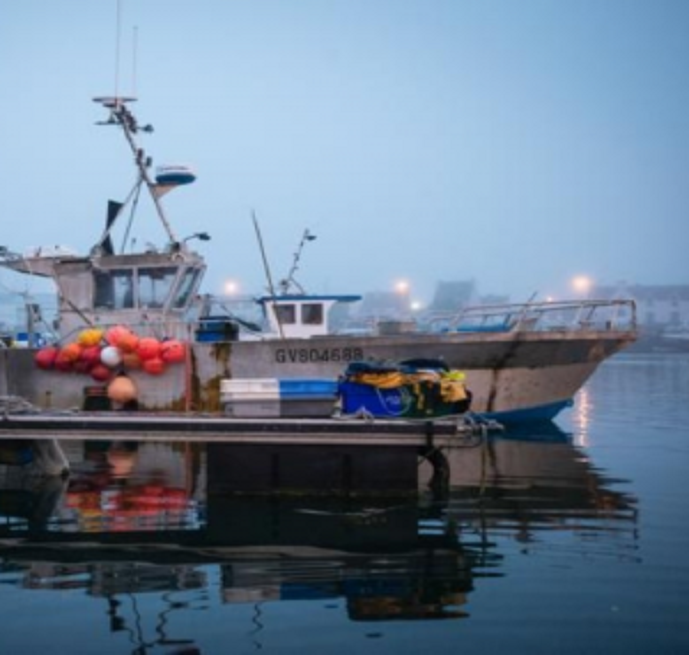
(572, 538)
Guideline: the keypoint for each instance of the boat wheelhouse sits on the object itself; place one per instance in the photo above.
(301, 316)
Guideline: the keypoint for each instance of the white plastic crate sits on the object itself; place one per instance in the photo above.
(250, 389)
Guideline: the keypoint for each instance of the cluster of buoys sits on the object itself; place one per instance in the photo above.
(99, 353)
(134, 502)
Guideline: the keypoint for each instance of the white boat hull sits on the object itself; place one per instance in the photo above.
(514, 376)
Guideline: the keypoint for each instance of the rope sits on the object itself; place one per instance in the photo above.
(17, 405)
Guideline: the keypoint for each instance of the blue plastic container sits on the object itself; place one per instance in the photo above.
(307, 389)
(212, 329)
(375, 401)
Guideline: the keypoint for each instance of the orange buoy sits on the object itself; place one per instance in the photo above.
(90, 337)
(172, 351)
(153, 366)
(90, 355)
(131, 360)
(127, 341)
(112, 334)
(71, 352)
(81, 366)
(45, 357)
(100, 373)
(122, 389)
(149, 348)
(63, 363)
(120, 334)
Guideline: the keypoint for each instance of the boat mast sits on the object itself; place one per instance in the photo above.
(269, 277)
(120, 115)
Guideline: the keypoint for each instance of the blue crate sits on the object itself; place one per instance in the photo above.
(207, 336)
(374, 400)
(307, 389)
(211, 329)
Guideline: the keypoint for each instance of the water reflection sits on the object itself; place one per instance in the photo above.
(532, 488)
(150, 525)
(130, 486)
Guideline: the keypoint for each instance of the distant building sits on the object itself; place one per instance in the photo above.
(663, 305)
(493, 299)
(452, 296)
(384, 304)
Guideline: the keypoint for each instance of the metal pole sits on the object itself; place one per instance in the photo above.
(271, 288)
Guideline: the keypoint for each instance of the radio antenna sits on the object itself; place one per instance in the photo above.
(289, 280)
(118, 30)
(135, 48)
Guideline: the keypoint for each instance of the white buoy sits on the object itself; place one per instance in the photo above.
(111, 356)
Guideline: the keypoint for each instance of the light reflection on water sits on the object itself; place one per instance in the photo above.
(141, 541)
(582, 418)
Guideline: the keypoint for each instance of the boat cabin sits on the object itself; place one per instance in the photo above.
(148, 289)
(301, 316)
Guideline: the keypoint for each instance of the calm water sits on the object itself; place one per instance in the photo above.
(572, 539)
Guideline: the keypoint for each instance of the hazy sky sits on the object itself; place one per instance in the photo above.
(515, 142)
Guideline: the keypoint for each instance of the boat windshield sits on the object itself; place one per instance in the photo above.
(155, 285)
(114, 289)
(144, 287)
(186, 288)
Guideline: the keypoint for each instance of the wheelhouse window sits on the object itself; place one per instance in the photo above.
(312, 314)
(114, 289)
(186, 288)
(286, 314)
(155, 285)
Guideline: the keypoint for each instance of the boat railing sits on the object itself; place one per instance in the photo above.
(206, 328)
(568, 316)
(563, 316)
(168, 329)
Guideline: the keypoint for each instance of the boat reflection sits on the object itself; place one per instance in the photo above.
(146, 518)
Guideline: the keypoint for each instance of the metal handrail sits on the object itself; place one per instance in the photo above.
(569, 315)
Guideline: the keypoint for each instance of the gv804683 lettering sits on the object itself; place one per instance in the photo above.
(304, 355)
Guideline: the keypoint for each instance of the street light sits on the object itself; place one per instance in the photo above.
(402, 290)
(582, 285)
(231, 287)
(201, 236)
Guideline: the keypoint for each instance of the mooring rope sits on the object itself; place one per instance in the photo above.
(17, 405)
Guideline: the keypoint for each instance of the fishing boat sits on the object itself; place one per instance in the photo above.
(520, 361)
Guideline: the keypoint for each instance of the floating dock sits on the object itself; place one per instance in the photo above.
(355, 431)
(350, 454)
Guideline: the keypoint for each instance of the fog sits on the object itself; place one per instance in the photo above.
(517, 144)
